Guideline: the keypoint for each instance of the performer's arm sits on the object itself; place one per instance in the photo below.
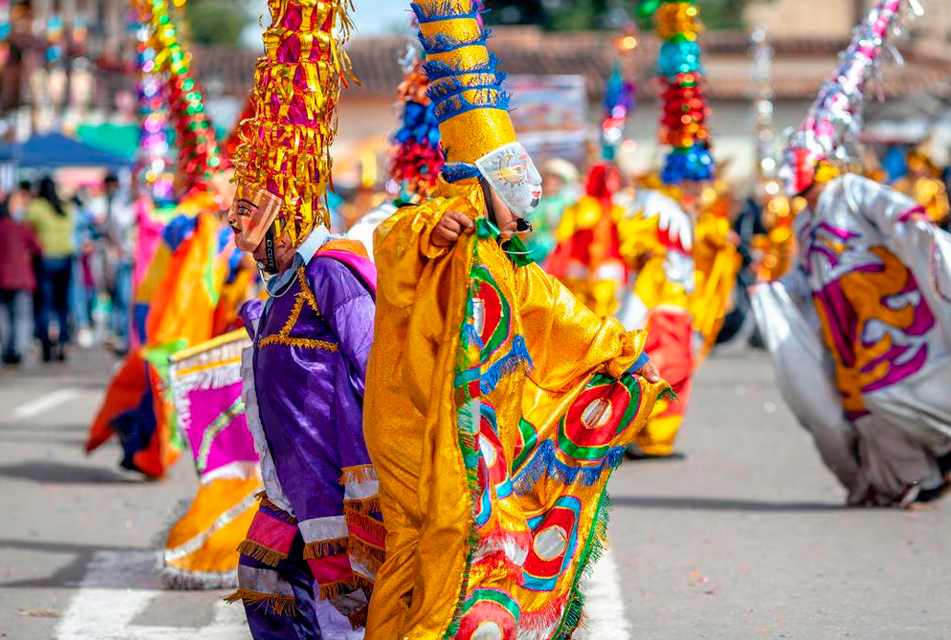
(889, 210)
(565, 339)
(406, 242)
(348, 307)
(251, 312)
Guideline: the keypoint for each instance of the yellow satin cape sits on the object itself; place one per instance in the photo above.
(494, 417)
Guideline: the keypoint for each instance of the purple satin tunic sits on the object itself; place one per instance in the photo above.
(309, 365)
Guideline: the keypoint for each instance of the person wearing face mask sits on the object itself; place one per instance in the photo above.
(308, 564)
(497, 405)
(860, 329)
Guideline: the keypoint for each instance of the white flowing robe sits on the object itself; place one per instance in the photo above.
(866, 368)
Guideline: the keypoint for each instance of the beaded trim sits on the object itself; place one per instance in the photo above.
(283, 337)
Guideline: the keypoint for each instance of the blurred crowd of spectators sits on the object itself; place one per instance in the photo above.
(65, 269)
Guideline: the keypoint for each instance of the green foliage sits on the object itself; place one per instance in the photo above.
(217, 22)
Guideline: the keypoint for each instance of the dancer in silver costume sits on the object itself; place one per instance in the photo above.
(866, 367)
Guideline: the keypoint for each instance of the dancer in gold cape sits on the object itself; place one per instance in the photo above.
(497, 405)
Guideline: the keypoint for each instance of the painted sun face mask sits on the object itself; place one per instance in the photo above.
(252, 214)
(512, 174)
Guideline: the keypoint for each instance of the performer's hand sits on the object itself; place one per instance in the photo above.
(649, 372)
(450, 229)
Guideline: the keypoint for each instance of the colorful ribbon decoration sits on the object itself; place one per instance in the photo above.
(418, 157)
(619, 101)
(199, 157)
(153, 170)
(684, 107)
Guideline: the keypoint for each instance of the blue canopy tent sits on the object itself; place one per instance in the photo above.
(54, 150)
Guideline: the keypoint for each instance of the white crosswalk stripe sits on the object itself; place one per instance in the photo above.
(120, 585)
(108, 602)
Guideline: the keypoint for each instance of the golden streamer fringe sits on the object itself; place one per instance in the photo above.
(366, 507)
(337, 589)
(358, 619)
(262, 554)
(368, 525)
(358, 475)
(285, 606)
(367, 555)
(266, 502)
(325, 548)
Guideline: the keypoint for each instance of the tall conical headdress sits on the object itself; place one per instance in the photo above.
(619, 102)
(198, 158)
(684, 106)
(471, 106)
(763, 107)
(418, 157)
(282, 165)
(836, 117)
(153, 167)
(245, 119)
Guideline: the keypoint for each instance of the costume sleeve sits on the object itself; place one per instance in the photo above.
(251, 312)
(895, 215)
(909, 233)
(402, 247)
(796, 283)
(352, 322)
(348, 307)
(565, 339)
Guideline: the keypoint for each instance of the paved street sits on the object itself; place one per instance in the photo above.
(743, 539)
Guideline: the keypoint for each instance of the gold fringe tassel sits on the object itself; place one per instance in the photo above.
(265, 502)
(358, 475)
(365, 507)
(369, 556)
(334, 590)
(259, 552)
(285, 606)
(358, 619)
(325, 548)
(367, 525)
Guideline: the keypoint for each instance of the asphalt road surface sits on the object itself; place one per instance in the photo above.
(745, 538)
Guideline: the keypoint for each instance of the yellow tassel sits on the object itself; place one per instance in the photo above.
(262, 554)
(285, 606)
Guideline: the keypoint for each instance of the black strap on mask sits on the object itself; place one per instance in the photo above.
(269, 241)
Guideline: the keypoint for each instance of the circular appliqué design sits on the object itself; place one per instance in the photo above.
(489, 614)
(555, 538)
(490, 446)
(550, 543)
(599, 414)
(492, 314)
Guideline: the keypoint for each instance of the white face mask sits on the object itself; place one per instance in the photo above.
(512, 174)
